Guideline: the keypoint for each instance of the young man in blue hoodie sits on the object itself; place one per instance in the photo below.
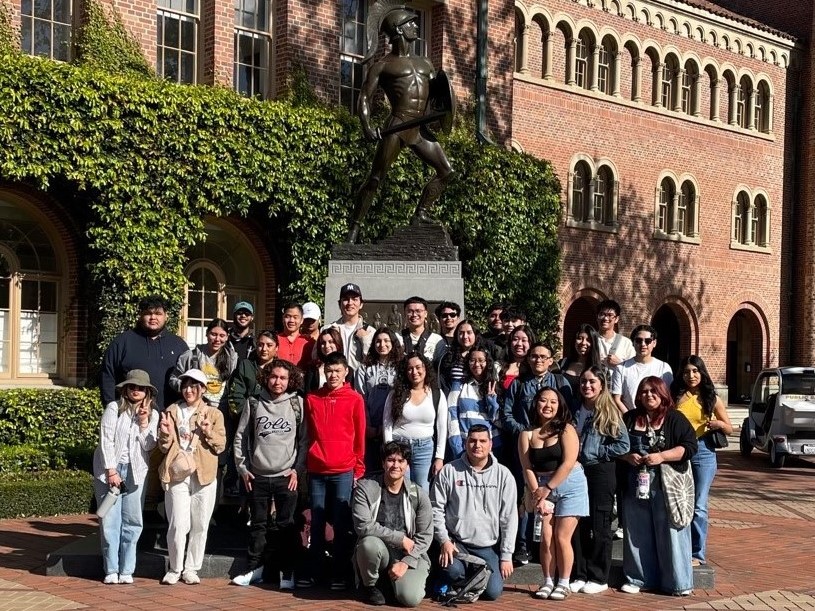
(475, 511)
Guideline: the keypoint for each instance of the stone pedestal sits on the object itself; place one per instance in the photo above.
(416, 260)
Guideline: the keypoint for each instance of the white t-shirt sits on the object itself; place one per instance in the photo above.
(624, 350)
(418, 422)
(628, 375)
(429, 347)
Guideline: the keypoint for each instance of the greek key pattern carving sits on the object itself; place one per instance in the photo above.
(354, 269)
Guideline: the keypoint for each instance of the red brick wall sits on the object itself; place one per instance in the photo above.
(709, 281)
(139, 17)
(216, 42)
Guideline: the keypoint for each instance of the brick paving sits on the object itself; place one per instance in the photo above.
(761, 542)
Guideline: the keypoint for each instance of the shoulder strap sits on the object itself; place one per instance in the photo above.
(298, 409)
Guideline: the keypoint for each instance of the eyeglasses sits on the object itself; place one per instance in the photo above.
(643, 340)
(648, 391)
(478, 361)
(449, 315)
(415, 312)
(606, 315)
(539, 357)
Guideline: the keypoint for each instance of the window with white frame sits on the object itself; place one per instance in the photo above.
(29, 297)
(687, 209)
(45, 28)
(761, 107)
(353, 46)
(177, 24)
(252, 47)
(604, 190)
(762, 231)
(581, 61)
(670, 72)
(665, 207)
(741, 218)
(592, 196)
(604, 70)
(580, 191)
(690, 75)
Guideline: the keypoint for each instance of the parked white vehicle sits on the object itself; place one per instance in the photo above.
(781, 418)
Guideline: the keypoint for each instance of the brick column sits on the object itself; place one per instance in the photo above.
(216, 42)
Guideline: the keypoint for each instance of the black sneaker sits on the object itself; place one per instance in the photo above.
(373, 596)
(521, 557)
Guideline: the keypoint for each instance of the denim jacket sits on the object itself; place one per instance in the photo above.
(596, 448)
(517, 409)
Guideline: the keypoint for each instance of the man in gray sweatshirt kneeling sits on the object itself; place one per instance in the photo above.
(394, 523)
(475, 511)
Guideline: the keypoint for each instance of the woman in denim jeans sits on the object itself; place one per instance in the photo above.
(548, 454)
(656, 556)
(603, 438)
(696, 398)
(416, 413)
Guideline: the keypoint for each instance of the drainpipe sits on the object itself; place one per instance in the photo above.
(481, 75)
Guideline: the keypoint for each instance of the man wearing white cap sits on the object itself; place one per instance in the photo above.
(311, 320)
(356, 333)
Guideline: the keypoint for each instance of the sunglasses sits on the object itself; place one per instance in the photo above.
(643, 340)
(449, 315)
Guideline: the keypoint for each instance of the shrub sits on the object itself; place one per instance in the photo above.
(52, 418)
(27, 457)
(47, 493)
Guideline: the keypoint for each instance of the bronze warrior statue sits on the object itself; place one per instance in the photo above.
(418, 96)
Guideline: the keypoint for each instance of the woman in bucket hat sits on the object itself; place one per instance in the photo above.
(128, 433)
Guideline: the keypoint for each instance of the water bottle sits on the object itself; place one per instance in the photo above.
(536, 532)
(109, 501)
(643, 483)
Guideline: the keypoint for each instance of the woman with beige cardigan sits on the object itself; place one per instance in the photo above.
(191, 435)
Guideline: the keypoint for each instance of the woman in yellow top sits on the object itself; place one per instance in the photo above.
(696, 398)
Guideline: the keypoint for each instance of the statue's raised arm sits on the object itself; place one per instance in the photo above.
(418, 96)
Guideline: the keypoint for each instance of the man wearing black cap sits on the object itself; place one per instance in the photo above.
(240, 333)
(356, 333)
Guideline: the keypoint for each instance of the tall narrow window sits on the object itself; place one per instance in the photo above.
(741, 226)
(177, 33)
(686, 210)
(761, 107)
(763, 222)
(45, 28)
(670, 72)
(580, 191)
(604, 70)
(581, 62)
(352, 49)
(689, 78)
(743, 93)
(604, 196)
(667, 191)
(252, 44)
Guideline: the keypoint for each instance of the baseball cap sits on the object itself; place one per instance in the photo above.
(311, 310)
(244, 305)
(350, 288)
(195, 374)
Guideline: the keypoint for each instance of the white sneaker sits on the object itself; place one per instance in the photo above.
(125, 578)
(171, 578)
(191, 578)
(594, 588)
(630, 588)
(577, 586)
(249, 577)
(111, 578)
(286, 581)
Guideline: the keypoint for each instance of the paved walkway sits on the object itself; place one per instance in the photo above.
(762, 543)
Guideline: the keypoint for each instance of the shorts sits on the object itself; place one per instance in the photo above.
(571, 497)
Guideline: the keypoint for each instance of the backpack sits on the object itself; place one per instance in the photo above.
(477, 577)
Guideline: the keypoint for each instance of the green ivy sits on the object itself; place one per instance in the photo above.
(8, 38)
(142, 161)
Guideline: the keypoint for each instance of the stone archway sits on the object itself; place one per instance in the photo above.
(745, 349)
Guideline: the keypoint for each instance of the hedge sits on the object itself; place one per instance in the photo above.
(65, 419)
(45, 494)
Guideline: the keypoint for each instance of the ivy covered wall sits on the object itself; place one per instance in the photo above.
(147, 160)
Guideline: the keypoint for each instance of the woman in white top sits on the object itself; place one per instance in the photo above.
(128, 433)
(416, 413)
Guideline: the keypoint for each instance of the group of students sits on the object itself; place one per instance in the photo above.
(574, 435)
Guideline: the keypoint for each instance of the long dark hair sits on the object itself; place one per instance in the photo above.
(402, 387)
(665, 402)
(489, 370)
(563, 416)
(508, 358)
(454, 354)
(222, 361)
(707, 391)
(592, 358)
(394, 356)
(269, 335)
(335, 335)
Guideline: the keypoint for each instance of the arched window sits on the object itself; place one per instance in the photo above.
(604, 70)
(761, 107)
(741, 218)
(581, 61)
(580, 191)
(222, 271)
(665, 208)
(689, 90)
(687, 210)
(29, 297)
(604, 186)
(762, 214)
(670, 75)
(744, 95)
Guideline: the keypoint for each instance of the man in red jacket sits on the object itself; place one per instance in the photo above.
(335, 421)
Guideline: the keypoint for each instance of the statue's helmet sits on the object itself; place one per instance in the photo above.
(394, 19)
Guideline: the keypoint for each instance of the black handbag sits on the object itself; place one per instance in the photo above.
(718, 439)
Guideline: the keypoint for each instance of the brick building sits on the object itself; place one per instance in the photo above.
(681, 130)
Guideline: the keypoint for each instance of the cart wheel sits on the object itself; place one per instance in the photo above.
(777, 459)
(745, 447)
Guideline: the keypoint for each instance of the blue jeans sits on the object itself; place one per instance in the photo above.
(421, 461)
(703, 464)
(121, 528)
(455, 572)
(655, 556)
(331, 490)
